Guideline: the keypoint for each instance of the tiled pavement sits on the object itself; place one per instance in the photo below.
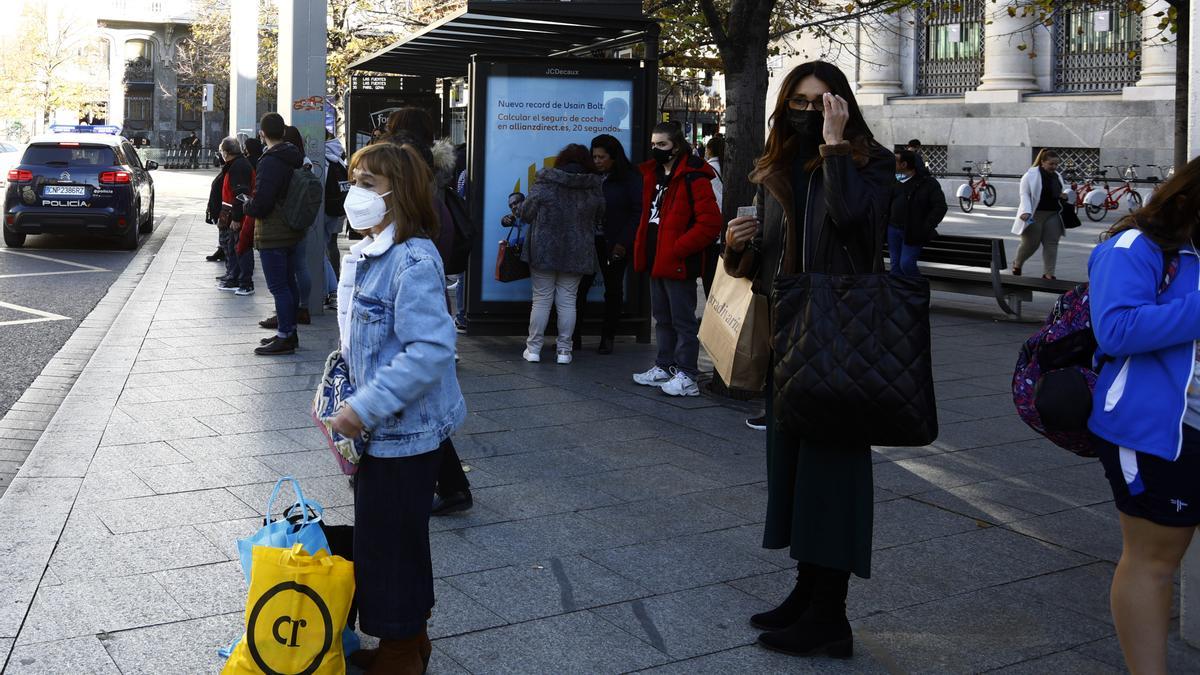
(614, 529)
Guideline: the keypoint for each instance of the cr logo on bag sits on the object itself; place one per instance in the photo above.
(273, 616)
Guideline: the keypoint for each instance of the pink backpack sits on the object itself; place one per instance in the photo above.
(1056, 370)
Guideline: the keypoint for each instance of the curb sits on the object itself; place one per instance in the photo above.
(40, 499)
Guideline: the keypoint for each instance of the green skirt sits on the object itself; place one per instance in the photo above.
(820, 499)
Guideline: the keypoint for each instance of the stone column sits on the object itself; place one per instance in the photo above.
(301, 101)
(1158, 59)
(879, 59)
(243, 67)
(1007, 70)
(116, 80)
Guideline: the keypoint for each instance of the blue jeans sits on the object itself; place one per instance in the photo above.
(460, 299)
(904, 256)
(303, 277)
(239, 268)
(676, 329)
(279, 267)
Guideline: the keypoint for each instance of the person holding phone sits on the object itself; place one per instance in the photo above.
(824, 184)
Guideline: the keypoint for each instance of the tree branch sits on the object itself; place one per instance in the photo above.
(715, 24)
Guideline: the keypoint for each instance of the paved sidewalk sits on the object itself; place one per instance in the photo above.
(614, 530)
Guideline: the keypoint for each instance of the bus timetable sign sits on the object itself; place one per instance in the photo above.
(391, 83)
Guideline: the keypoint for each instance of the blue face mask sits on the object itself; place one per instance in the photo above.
(901, 177)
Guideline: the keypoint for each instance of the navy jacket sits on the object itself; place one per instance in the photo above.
(622, 209)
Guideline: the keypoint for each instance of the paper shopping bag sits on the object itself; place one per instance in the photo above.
(735, 332)
(295, 614)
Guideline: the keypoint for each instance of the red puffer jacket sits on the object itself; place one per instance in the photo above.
(686, 227)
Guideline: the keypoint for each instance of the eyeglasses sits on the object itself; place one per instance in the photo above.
(801, 103)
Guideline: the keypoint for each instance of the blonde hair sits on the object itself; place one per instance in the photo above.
(410, 204)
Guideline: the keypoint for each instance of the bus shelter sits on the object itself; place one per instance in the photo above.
(538, 75)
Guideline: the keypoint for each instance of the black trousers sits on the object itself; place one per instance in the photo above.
(450, 477)
(613, 273)
(393, 572)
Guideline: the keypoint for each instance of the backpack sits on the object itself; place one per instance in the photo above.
(335, 196)
(302, 200)
(1057, 369)
(464, 232)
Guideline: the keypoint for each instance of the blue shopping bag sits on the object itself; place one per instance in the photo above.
(300, 524)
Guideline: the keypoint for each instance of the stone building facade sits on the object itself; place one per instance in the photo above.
(982, 84)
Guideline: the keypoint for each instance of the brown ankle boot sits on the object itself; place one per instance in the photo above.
(398, 657)
(425, 647)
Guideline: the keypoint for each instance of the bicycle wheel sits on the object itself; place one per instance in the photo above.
(1095, 213)
(1136, 198)
(965, 204)
(989, 195)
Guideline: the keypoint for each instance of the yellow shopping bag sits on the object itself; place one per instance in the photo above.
(295, 613)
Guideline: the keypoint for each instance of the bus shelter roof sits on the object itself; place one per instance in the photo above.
(512, 29)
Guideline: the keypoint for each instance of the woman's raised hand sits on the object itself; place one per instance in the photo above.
(739, 231)
(837, 114)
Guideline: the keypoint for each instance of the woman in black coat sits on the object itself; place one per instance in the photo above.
(825, 183)
(622, 212)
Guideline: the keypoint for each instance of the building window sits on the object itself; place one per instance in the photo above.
(191, 103)
(1094, 46)
(139, 62)
(950, 47)
(138, 111)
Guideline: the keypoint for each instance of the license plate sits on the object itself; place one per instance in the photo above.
(65, 191)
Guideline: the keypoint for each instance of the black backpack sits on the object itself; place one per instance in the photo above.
(464, 232)
(335, 194)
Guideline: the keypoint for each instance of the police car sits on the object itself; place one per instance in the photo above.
(85, 179)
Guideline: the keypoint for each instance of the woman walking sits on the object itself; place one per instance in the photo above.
(622, 209)
(1146, 406)
(399, 345)
(826, 183)
(1039, 218)
(564, 208)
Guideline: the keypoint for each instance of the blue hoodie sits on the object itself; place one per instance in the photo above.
(1141, 394)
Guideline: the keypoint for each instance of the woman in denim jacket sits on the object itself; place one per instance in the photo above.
(398, 341)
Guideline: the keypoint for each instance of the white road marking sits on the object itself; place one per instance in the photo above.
(42, 316)
(69, 263)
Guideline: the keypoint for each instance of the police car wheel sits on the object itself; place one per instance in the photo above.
(14, 239)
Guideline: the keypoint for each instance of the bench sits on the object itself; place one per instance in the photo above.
(986, 273)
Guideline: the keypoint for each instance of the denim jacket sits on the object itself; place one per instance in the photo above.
(401, 348)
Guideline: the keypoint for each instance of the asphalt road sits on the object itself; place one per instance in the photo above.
(51, 284)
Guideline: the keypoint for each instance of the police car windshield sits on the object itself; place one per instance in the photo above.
(63, 155)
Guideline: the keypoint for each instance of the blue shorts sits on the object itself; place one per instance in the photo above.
(1153, 488)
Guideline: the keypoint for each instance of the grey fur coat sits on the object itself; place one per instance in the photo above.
(563, 209)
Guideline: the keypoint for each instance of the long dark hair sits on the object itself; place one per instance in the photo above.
(1172, 218)
(616, 151)
(292, 135)
(417, 122)
(781, 142)
(575, 154)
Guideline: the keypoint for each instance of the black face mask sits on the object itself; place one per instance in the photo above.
(808, 125)
(662, 156)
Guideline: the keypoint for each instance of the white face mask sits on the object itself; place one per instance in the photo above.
(365, 208)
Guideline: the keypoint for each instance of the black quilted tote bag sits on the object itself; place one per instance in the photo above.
(852, 358)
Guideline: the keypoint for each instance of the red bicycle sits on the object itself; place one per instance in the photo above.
(1100, 201)
(972, 191)
(1079, 189)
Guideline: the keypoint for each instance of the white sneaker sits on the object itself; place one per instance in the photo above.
(564, 357)
(655, 377)
(681, 385)
(530, 356)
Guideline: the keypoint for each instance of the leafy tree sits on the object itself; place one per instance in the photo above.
(60, 67)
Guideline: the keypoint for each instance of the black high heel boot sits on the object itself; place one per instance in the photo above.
(823, 628)
(790, 610)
